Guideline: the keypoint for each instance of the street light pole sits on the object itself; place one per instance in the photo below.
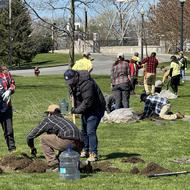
(142, 34)
(181, 24)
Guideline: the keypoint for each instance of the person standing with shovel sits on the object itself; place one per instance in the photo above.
(90, 103)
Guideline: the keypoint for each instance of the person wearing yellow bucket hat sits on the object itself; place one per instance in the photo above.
(58, 133)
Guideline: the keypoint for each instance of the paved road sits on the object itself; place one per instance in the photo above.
(102, 65)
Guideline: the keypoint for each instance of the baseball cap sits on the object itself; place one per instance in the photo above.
(142, 96)
(52, 108)
(69, 76)
(86, 53)
(120, 55)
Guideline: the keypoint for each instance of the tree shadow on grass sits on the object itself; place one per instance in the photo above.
(44, 86)
(118, 155)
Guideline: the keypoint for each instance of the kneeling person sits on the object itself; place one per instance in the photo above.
(158, 105)
(59, 133)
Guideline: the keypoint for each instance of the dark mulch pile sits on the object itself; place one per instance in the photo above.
(104, 167)
(133, 160)
(153, 168)
(22, 162)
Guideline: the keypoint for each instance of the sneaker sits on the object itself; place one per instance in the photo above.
(179, 115)
(84, 154)
(92, 157)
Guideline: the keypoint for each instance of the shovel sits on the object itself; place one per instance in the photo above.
(169, 174)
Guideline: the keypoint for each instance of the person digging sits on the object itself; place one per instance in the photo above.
(58, 133)
(155, 105)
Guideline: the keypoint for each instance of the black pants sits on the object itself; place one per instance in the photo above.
(121, 94)
(133, 82)
(7, 125)
(175, 81)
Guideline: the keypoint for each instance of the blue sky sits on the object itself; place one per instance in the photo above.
(46, 12)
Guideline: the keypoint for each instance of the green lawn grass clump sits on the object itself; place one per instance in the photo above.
(153, 142)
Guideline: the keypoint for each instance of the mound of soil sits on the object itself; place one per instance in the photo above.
(22, 162)
(37, 166)
(133, 160)
(153, 168)
(104, 167)
(135, 170)
(15, 162)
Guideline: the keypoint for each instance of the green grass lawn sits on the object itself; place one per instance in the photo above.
(48, 60)
(152, 142)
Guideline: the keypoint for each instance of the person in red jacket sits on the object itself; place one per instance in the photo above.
(133, 70)
(7, 88)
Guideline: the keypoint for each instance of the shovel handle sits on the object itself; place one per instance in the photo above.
(73, 115)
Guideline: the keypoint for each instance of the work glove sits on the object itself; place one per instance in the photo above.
(6, 96)
(33, 152)
(73, 110)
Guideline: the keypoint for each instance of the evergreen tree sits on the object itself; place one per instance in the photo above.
(23, 47)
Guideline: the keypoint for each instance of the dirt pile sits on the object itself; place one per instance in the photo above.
(153, 168)
(23, 163)
(135, 170)
(133, 160)
(150, 169)
(104, 167)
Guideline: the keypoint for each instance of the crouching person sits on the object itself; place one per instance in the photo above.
(59, 133)
(155, 105)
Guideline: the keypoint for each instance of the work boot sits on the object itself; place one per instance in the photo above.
(92, 157)
(84, 154)
(85, 167)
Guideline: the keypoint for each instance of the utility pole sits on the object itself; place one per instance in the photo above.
(53, 36)
(10, 35)
(72, 34)
(86, 21)
(121, 23)
(181, 24)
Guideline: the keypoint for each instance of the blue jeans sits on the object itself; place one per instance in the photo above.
(182, 72)
(89, 126)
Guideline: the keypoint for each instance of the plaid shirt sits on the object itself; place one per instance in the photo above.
(120, 73)
(154, 104)
(6, 83)
(57, 125)
(151, 64)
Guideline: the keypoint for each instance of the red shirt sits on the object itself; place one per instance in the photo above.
(7, 83)
(151, 64)
(133, 69)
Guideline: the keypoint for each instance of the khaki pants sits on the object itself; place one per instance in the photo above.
(51, 142)
(149, 83)
(164, 113)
